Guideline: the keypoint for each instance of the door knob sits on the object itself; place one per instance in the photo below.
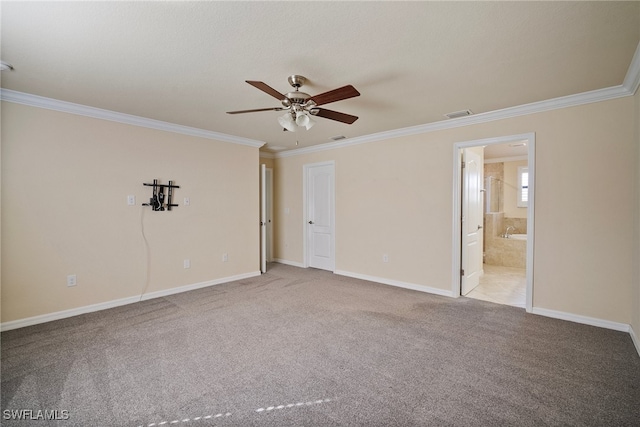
(310, 222)
(479, 227)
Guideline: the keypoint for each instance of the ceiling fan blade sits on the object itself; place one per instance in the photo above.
(339, 94)
(256, 110)
(335, 115)
(267, 89)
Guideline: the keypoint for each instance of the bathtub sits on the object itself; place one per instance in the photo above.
(507, 252)
(517, 236)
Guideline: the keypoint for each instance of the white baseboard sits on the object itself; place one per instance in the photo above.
(29, 321)
(194, 286)
(397, 283)
(635, 339)
(286, 262)
(607, 324)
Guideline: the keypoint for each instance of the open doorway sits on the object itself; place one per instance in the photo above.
(266, 214)
(493, 220)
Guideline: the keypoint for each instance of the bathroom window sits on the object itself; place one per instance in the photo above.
(523, 186)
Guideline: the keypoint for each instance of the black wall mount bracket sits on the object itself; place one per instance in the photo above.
(158, 201)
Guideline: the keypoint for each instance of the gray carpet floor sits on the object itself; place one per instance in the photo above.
(303, 347)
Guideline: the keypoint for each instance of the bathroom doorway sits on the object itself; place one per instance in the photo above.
(507, 197)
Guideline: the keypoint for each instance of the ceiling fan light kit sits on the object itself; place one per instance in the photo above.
(300, 106)
(287, 122)
(303, 119)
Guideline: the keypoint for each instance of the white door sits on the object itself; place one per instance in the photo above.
(472, 178)
(263, 219)
(320, 190)
(269, 211)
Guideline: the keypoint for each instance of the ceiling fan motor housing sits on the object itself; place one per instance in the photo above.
(296, 80)
(297, 100)
(299, 105)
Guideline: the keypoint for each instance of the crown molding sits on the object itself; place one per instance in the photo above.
(632, 79)
(98, 113)
(627, 88)
(521, 110)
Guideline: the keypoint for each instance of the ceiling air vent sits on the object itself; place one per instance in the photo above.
(337, 138)
(457, 114)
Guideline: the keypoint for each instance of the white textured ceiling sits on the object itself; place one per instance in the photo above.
(187, 62)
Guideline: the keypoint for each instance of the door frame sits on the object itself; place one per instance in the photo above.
(457, 209)
(305, 213)
(269, 200)
(263, 218)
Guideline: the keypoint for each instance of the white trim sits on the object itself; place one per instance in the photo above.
(29, 321)
(457, 209)
(585, 320)
(635, 339)
(531, 224)
(98, 113)
(269, 174)
(506, 113)
(200, 285)
(396, 283)
(287, 262)
(632, 79)
(627, 88)
(263, 218)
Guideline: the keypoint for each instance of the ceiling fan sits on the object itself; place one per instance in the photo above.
(300, 106)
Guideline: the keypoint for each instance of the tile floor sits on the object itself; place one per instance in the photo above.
(502, 285)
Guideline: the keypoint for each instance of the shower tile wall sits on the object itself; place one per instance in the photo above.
(495, 170)
(520, 225)
(498, 250)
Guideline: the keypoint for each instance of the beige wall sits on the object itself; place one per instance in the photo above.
(511, 209)
(395, 197)
(267, 161)
(65, 180)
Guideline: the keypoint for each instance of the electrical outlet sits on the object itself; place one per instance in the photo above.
(385, 258)
(225, 257)
(131, 200)
(187, 263)
(72, 280)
